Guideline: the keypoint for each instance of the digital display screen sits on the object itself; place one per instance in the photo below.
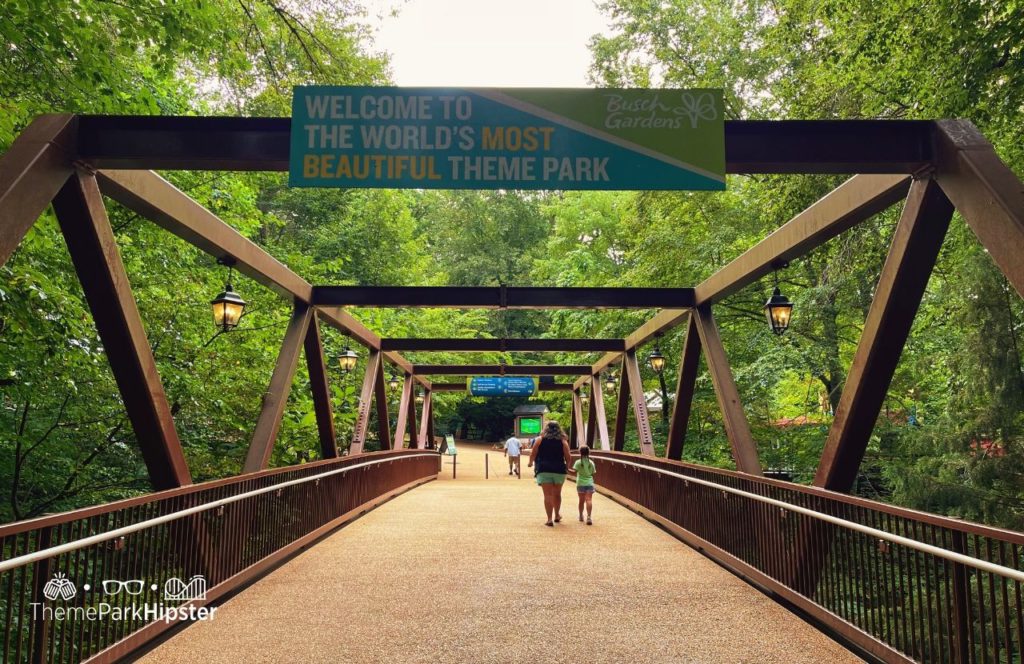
(529, 425)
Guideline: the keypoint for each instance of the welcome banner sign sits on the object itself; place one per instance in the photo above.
(514, 138)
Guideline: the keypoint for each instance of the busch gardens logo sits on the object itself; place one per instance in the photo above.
(96, 602)
(662, 110)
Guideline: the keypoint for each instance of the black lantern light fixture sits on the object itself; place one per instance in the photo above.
(609, 383)
(656, 359)
(228, 305)
(584, 399)
(347, 359)
(778, 308)
(419, 397)
(394, 383)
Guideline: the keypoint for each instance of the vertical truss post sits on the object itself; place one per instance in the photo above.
(598, 419)
(915, 248)
(686, 385)
(93, 250)
(427, 422)
(318, 385)
(414, 431)
(276, 397)
(636, 389)
(744, 452)
(380, 396)
(621, 408)
(402, 420)
(578, 435)
(366, 395)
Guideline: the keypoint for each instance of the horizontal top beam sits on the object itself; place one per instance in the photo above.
(461, 387)
(500, 369)
(504, 345)
(261, 144)
(502, 297)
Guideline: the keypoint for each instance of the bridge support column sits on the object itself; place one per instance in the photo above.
(597, 427)
(685, 386)
(366, 395)
(406, 421)
(318, 385)
(912, 255)
(577, 432)
(276, 396)
(427, 421)
(93, 250)
(744, 452)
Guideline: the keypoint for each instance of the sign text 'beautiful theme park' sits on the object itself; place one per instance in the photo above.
(516, 138)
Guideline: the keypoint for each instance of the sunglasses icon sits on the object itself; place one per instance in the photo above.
(132, 587)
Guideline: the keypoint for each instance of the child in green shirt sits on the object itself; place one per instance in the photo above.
(585, 471)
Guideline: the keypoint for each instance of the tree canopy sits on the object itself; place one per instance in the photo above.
(951, 437)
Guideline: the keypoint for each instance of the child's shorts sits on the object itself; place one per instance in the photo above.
(585, 489)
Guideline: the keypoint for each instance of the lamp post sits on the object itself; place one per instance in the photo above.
(609, 383)
(394, 383)
(419, 396)
(228, 305)
(778, 309)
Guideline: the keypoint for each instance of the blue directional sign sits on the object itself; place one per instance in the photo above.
(501, 386)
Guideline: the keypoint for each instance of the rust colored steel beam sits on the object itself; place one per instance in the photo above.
(413, 427)
(636, 390)
(689, 365)
(380, 398)
(915, 248)
(502, 297)
(496, 369)
(91, 243)
(744, 451)
(578, 437)
(247, 144)
(987, 193)
(621, 408)
(427, 422)
(318, 384)
(366, 395)
(852, 202)
(598, 421)
(402, 420)
(32, 171)
(276, 397)
(158, 200)
(504, 345)
(161, 202)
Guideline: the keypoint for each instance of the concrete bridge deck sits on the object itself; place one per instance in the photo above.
(465, 571)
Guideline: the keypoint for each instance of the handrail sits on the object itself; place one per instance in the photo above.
(953, 523)
(67, 547)
(867, 530)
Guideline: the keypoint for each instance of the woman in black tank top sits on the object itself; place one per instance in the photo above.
(551, 454)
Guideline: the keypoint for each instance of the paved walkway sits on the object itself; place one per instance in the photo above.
(465, 571)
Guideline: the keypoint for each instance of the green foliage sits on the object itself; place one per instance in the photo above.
(66, 442)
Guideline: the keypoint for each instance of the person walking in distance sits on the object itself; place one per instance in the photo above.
(585, 471)
(512, 448)
(551, 454)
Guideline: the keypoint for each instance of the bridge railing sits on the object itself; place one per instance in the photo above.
(900, 584)
(98, 583)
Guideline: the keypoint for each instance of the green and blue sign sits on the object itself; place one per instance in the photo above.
(514, 138)
(502, 386)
